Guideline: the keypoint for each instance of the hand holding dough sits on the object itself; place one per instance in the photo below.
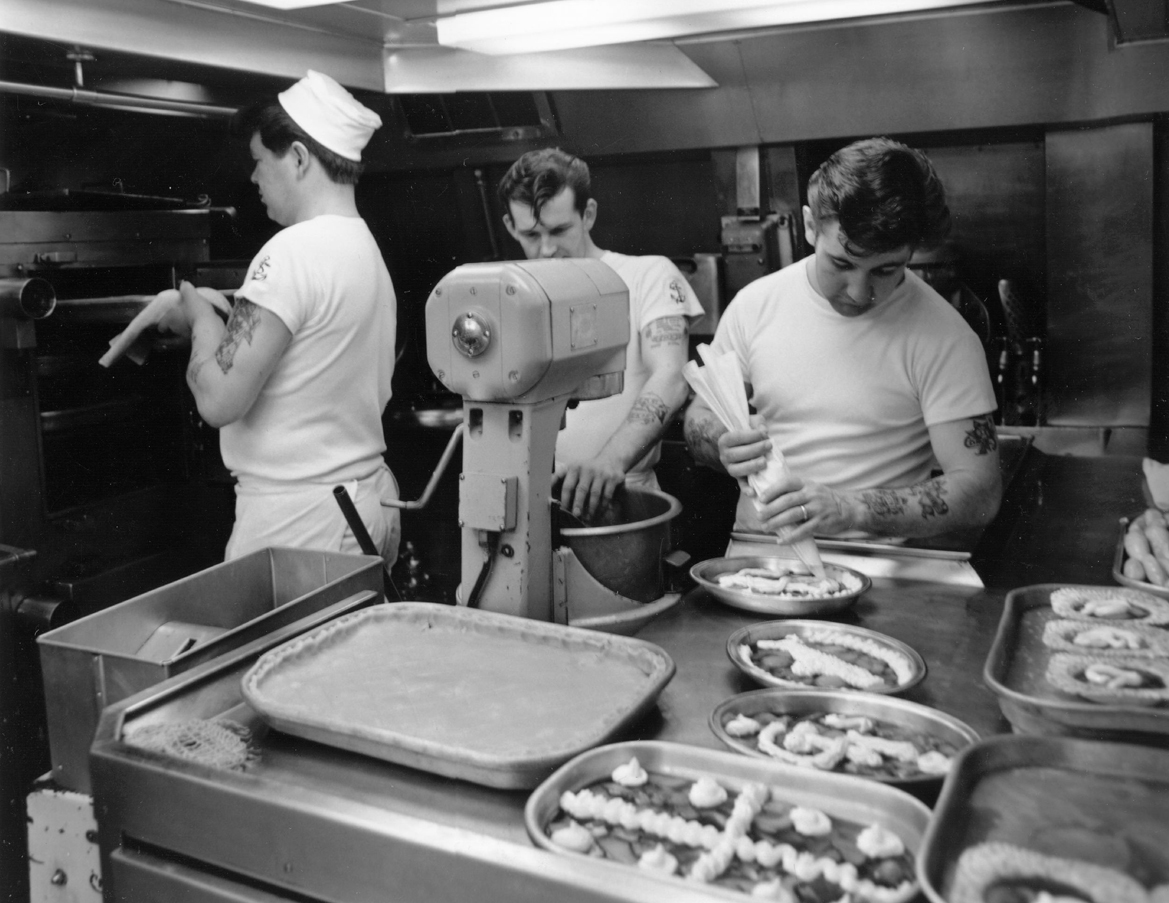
(133, 340)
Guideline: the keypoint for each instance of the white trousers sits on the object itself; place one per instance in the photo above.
(307, 516)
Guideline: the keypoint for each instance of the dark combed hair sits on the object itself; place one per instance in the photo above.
(884, 195)
(277, 131)
(540, 175)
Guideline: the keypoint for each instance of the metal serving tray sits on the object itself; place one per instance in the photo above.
(839, 796)
(485, 697)
(1103, 803)
(1015, 672)
(1118, 566)
(112, 654)
(771, 630)
(706, 574)
(899, 712)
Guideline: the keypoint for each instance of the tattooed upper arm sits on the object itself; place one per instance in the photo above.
(241, 328)
(982, 436)
(666, 331)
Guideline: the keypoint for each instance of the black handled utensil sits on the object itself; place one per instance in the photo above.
(357, 525)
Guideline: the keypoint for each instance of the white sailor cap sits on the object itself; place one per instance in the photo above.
(330, 114)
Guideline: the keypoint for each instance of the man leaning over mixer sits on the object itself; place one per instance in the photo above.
(872, 386)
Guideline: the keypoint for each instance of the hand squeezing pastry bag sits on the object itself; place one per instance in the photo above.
(720, 385)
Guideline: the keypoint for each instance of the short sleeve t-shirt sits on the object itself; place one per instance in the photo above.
(657, 289)
(318, 417)
(849, 400)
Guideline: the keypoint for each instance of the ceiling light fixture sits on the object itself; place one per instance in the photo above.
(563, 24)
(293, 4)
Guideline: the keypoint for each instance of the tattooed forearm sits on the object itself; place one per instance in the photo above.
(702, 439)
(241, 327)
(668, 331)
(982, 436)
(884, 502)
(648, 409)
(930, 495)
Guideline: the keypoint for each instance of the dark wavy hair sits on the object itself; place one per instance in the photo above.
(540, 175)
(277, 131)
(884, 195)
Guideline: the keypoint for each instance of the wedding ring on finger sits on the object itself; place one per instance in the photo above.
(804, 511)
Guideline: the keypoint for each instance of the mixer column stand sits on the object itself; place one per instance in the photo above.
(505, 488)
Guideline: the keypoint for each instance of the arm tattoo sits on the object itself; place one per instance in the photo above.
(702, 438)
(241, 327)
(670, 331)
(930, 497)
(648, 409)
(883, 502)
(981, 436)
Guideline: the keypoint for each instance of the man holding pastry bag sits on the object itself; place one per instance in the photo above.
(872, 386)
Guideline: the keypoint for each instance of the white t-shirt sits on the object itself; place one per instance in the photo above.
(848, 400)
(656, 289)
(318, 417)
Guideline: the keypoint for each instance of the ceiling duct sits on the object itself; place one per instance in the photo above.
(1133, 21)
(1136, 21)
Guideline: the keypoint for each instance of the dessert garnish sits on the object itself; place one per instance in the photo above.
(828, 741)
(753, 841)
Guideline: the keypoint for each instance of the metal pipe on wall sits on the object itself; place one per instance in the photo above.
(118, 309)
(138, 103)
(33, 298)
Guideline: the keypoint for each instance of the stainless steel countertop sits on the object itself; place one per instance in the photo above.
(336, 818)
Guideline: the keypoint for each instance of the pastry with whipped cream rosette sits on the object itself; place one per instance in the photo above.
(746, 838)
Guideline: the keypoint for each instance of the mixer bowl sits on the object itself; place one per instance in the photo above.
(625, 548)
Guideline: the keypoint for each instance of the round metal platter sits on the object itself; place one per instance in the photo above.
(899, 712)
(774, 630)
(706, 574)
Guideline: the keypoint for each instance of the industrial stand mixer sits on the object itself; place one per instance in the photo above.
(517, 341)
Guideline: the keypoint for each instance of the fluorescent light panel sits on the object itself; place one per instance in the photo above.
(564, 24)
(420, 70)
(293, 4)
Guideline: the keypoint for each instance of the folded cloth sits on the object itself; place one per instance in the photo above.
(133, 341)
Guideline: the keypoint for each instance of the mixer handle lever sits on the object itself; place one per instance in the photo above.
(443, 463)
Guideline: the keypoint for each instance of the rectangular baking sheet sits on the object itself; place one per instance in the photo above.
(1102, 803)
(839, 796)
(1015, 672)
(484, 697)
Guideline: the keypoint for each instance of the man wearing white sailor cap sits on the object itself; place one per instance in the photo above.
(298, 377)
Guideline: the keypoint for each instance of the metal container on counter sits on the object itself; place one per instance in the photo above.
(624, 548)
(108, 656)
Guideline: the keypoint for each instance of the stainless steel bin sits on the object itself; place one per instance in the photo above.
(105, 657)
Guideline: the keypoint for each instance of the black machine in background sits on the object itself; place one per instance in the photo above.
(110, 484)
